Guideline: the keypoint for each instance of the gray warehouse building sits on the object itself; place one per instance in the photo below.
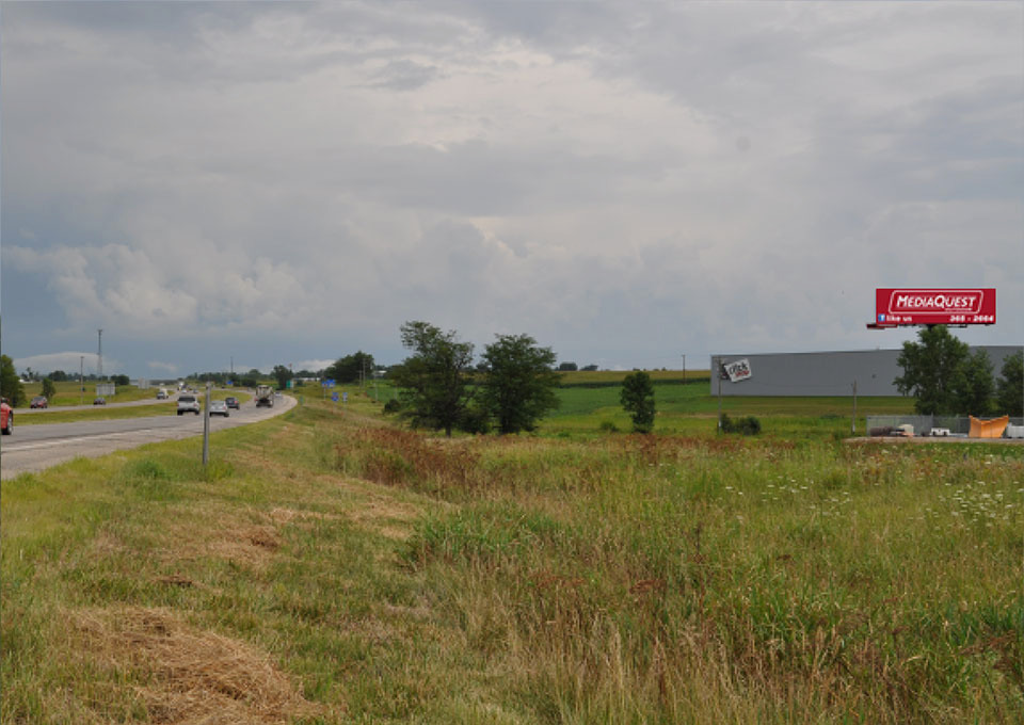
(826, 373)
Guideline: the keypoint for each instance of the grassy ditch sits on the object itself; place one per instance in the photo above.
(330, 568)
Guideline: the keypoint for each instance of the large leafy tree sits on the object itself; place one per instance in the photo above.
(974, 385)
(637, 397)
(933, 370)
(433, 381)
(517, 388)
(1010, 388)
(350, 368)
(10, 386)
(282, 375)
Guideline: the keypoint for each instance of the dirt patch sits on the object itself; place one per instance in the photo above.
(187, 676)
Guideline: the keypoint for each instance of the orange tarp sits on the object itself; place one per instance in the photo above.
(989, 428)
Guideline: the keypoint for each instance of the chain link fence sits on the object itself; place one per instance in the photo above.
(929, 425)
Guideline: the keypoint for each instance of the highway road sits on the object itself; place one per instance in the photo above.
(36, 447)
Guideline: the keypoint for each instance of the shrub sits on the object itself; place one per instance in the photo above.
(608, 426)
(749, 426)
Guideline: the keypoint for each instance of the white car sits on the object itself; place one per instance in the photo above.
(219, 407)
(188, 403)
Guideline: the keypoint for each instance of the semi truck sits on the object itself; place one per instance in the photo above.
(264, 396)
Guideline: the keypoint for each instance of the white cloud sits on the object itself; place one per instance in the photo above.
(163, 367)
(312, 365)
(69, 362)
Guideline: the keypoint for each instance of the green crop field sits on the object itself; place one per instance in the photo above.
(330, 567)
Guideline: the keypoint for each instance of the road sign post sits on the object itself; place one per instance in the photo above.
(206, 425)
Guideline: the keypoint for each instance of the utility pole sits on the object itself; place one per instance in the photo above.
(81, 379)
(99, 356)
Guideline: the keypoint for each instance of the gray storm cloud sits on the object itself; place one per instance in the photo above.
(620, 182)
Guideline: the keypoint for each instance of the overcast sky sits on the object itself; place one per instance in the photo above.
(627, 182)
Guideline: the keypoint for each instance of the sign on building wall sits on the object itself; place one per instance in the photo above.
(974, 306)
(738, 370)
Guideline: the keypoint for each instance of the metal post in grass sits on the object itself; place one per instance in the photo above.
(206, 425)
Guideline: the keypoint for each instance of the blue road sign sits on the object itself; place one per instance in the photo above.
(334, 397)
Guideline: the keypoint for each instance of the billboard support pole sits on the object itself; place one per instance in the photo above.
(718, 374)
(853, 420)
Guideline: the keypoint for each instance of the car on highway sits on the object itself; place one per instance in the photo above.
(161, 394)
(188, 403)
(6, 417)
(39, 401)
(232, 402)
(100, 401)
(219, 407)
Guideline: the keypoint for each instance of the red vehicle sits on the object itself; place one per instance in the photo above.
(6, 418)
(39, 402)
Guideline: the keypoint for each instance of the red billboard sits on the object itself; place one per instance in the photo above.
(895, 307)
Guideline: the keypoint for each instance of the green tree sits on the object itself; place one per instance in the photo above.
(637, 398)
(1010, 388)
(974, 385)
(121, 380)
(433, 381)
(518, 383)
(282, 375)
(933, 371)
(49, 389)
(568, 367)
(59, 376)
(351, 368)
(10, 386)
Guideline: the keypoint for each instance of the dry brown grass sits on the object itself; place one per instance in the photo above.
(186, 676)
(221, 535)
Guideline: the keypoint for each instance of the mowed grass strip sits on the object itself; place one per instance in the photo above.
(69, 393)
(331, 568)
(691, 410)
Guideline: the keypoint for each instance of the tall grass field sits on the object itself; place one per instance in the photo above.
(330, 566)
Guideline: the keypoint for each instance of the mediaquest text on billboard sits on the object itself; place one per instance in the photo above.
(965, 306)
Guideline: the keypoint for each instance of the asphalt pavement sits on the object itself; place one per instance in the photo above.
(37, 447)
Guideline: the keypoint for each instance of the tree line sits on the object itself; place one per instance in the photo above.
(946, 378)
